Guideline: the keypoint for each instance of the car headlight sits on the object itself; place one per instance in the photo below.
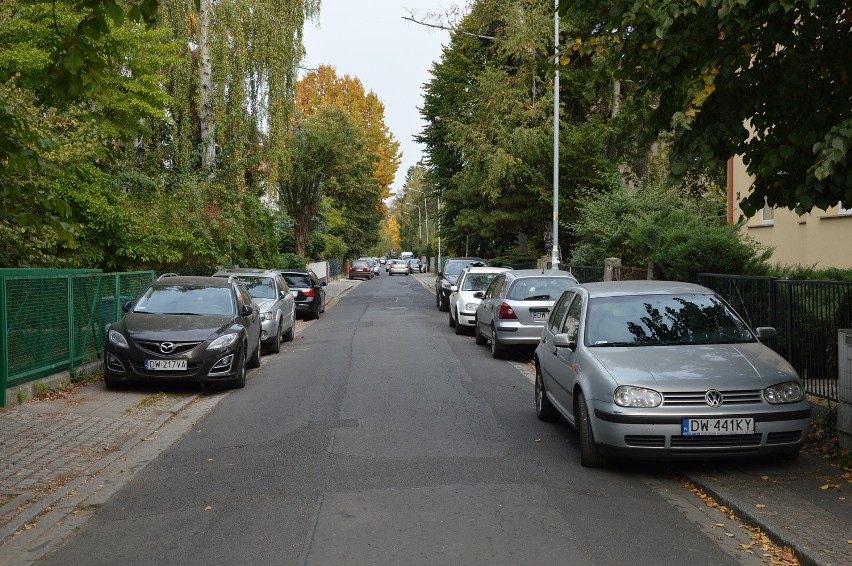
(787, 392)
(223, 342)
(629, 396)
(471, 306)
(116, 338)
(264, 316)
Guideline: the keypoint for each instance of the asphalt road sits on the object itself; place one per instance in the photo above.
(381, 437)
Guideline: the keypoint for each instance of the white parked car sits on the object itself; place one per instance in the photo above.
(463, 304)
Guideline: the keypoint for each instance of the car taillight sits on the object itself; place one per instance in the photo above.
(309, 293)
(506, 312)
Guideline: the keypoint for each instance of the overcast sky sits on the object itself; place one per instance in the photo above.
(369, 39)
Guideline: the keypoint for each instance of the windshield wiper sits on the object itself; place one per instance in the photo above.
(538, 298)
(618, 344)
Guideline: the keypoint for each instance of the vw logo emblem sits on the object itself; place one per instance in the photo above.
(167, 347)
(714, 398)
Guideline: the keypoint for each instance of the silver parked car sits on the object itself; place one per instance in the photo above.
(398, 266)
(462, 301)
(665, 370)
(515, 307)
(277, 306)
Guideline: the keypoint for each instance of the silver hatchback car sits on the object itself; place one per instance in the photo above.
(515, 307)
(665, 370)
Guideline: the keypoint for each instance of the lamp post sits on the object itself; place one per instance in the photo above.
(554, 254)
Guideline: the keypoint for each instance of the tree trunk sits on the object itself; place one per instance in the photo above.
(205, 74)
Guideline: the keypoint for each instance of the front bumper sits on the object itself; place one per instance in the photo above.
(206, 366)
(657, 434)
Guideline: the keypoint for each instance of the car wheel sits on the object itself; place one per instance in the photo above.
(544, 409)
(254, 360)
(441, 305)
(478, 336)
(497, 349)
(452, 321)
(275, 344)
(111, 382)
(589, 455)
(240, 381)
(458, 326)
(438, 300)
(291, 332)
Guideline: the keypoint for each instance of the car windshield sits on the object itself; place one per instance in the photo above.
(298, 280)
(357, 263)
(477, 281)
(259, 287)
(538, 288)
(184, 299)
(455, 267)
(656, 320)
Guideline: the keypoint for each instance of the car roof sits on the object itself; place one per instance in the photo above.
(467, 259)
(521, 273)
(482, 269)
(193, 281)
(242, 272)
(294, 272)
(624, 288)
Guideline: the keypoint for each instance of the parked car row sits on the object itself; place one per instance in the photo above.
(403, 266)
(209, 329)
(643, 369)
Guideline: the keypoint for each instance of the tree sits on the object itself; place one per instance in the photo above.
(323, 87)
(327, 159)
(767, 79)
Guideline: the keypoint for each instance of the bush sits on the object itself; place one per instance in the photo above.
(292, 261)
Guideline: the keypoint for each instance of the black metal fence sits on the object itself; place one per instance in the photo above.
(806, 314)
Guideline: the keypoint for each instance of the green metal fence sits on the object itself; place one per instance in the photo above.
(53, 320)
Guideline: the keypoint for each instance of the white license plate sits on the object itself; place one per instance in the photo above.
(539, 316)
(707, 427)
(165, 364)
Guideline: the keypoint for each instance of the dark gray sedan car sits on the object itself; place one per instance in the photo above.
(665, 370)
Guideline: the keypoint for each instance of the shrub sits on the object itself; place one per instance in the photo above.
(292, 261)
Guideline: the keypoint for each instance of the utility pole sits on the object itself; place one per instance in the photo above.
(554, 253)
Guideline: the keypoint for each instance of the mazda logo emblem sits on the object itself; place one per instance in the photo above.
(167, 347)
(714, 398)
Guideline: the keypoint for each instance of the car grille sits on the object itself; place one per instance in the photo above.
(696, 398)
(154, 347)
(191, 369)
(715, 441)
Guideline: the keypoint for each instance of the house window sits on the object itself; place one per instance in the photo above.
(767, 214)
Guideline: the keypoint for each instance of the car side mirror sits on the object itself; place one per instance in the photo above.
(246, 310)
(323, 283)
(127, 306)
(479, 295)
(565, 341)
(453, 289)
(283, 294)
(765, 333)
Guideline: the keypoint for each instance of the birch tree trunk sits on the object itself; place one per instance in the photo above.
(205, 74)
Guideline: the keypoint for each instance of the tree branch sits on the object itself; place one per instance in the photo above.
(411, 18)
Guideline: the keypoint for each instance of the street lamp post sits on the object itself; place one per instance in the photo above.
(419, 230)
(554, 254)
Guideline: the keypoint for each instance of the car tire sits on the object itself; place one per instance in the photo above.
(441, 306)
(254, 360)
(240, 381)
(111, 382)
(478, 336)
(450, 318)
(459, 328)
(438, 299)
(291, 332)
(275, 344)
(589, 455)
(498, 350)
(544, 409)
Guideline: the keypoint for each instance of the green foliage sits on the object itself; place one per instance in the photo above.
(680, 235)
(765, 79)
(335, 247)
(292, 261)
(809, 273)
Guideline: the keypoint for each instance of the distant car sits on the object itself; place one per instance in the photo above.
(463, 303)
(277, 306)
(360, 269)
(377, 268)
(447, 278)
(515, 307)
(398, 267)
(383, 260)
(665, 370)
(308, 291)
(201, 329)
(414, 265)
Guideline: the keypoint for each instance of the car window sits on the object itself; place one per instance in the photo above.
(184, 299)
(358, 263)
(555, 322)
(282, 284)
(571, 326)
(298, 280)
(244, 296)
(650, 320)
(495, 288)
(538, 288)
(477, 281)
(259, 287)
